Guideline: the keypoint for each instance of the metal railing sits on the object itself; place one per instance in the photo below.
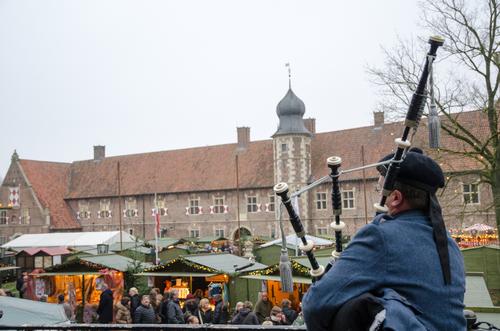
(149, 327)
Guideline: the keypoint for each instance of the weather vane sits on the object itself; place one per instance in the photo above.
(289, 74)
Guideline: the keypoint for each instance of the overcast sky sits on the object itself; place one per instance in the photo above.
(140, 76)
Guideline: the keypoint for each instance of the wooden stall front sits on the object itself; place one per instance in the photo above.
(198, 271)
(301, 280)
(81, 279)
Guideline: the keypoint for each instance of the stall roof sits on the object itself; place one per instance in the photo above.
(52, 251)
(292, 241)
(166, 242)
(220, 263)
(17, 312)
(7, 267)
(68, 239)
(304, 261)
(112, 261)
(208, 239)
(225, 262)
(176, 274)
(137, 247)
(296, 279)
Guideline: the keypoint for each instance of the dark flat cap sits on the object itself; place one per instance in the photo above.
(417, 170)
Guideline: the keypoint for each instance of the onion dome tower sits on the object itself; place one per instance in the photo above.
(292, 145)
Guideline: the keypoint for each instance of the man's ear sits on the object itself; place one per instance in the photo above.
(397, 199)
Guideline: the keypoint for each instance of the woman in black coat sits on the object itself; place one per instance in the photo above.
(205, 312)
(105, 308)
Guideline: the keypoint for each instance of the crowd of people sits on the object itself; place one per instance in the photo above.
(166, 308)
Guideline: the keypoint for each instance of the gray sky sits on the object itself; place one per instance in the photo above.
(140, 76)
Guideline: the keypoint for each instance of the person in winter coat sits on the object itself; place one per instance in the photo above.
(67, 308)
(190, 306)
(263, 307)
(245, 315)
(237, 308)
(89, 313)
(221, 312)
(290, 314)
(135, 300)
(105, 308)
(174, 311)
(145, 314)
(205, 312)
(163, 307)
(277, 316)
(122, 315)
(20, 283)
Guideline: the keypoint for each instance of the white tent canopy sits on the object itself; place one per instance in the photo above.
(17, 312)
(292, 240)
(479, 227)
(75, 240)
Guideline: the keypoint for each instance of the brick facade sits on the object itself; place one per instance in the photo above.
(56, 195)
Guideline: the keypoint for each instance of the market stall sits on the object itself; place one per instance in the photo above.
(81, 279)
(475, 235)
(199, 271)
(301, 279)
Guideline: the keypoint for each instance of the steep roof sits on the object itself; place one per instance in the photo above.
(49, 180)
(213, 168)
(186, 170)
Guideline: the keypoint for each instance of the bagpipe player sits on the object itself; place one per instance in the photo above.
(402, 271)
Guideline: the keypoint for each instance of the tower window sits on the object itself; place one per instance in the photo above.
(321, 200)
(284, 147)
(471, 193)
(348, 199)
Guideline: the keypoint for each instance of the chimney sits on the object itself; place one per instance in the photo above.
(378, 119)
(99, 153)
(243, 137)
(310, 124)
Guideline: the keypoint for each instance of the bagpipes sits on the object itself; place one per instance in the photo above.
(412, 121)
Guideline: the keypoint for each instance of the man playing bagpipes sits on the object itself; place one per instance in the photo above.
(400, 272)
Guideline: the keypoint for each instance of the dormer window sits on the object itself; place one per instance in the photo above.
(104, 208)
(131, 207)
(83, 210)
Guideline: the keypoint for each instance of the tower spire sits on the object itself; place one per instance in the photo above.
(289, 75)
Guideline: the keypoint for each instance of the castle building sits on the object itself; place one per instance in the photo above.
(216, 190)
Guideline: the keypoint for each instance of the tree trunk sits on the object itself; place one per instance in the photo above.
(495, 188)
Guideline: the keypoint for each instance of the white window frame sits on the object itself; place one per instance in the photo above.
(4, 220)
(194, 209)
(252, 206)
(273, 232)
(322, 230)
(219, 205)
(271, 206)
(83, 209)
(104, 208)
(25, 216)
(196, 233)
(131, 207)
(348, 199)
(321, 201)
(470, 193)
(219, 231)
